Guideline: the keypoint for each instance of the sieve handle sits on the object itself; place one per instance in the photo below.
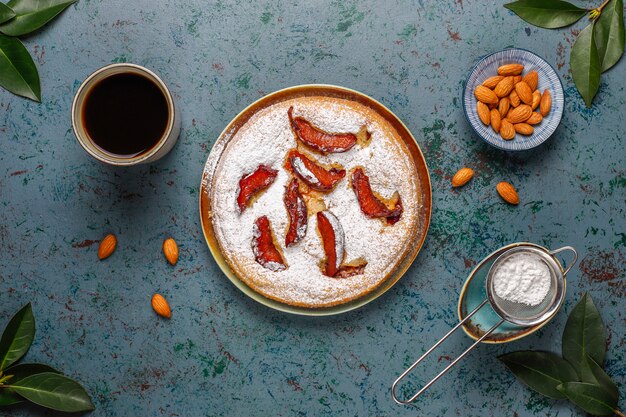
(569, 248)
(428, 352)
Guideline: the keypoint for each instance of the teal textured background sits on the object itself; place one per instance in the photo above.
(222, 354)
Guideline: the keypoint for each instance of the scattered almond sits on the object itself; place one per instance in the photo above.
(524, 92)
(532, 79)
(491, 82)
(524, 129)
(534, 118)
(504, 87)
(546, 103)
(160, 306)
(536, 99)
(107, 247)
(485, 95)
(507, 192)
(462, 177)
(503, 107)
(514, 99)
(519, 114)
(507, 131)
(170, 249)
(510, 69)
(495, 119)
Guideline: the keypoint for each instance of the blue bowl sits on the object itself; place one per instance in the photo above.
(548, 79)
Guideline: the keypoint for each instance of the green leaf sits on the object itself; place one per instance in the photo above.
(584, 335)
(8, 397)
(609, 34)
(18, 72)
(591, 398)
(54, 391)
(595, 375)
(19, 372)
(585, 64)
(17, 336)
(6, 13)
(549, 14)
(541, 371)
(32, 15)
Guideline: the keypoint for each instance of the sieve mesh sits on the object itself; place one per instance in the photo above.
(521, 313)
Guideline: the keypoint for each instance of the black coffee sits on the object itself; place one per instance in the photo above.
(125, 114)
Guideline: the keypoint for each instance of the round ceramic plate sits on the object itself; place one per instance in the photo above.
(548, 80)
(474, 292)
(307, 91)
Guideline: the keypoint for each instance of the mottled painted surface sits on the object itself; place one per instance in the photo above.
(222, 354)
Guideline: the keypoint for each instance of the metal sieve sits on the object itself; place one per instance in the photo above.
(512, 312)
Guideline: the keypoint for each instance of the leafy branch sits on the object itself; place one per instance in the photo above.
(578, 375)
(598, 47)
(18, 72)
(35, 382)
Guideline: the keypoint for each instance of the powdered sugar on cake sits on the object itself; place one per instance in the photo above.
(265, 139)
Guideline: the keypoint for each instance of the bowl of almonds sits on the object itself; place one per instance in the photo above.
(513, 99)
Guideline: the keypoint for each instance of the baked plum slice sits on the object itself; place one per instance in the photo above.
(371, 205)
(317, 138)
(250, 185)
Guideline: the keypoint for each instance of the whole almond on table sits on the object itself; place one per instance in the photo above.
(507, 192)
(524, 92)
(519, 114)
(491, 82)
(160, 306)
(524, 129)
(107, 247)
(504, 87)
(495, 119)
(170, 249)
(507, 131)
(510, 69)
(532, 79)
(536, 99)
(485, 95)
(514, 99)
(534, 118)
(503, 107)
(462, 177)
(546, 103)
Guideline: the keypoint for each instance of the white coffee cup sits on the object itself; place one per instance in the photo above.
(161, 147)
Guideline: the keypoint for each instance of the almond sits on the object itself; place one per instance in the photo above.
(532, 79)
(170, 249)
(536, 99)
(107, 247)
(507, 131)
(485, 95)
(524, 129)
(534, 118)
(507, 192)
(495, 120)
(504, 87)
(510, 69)
(491, 82)
(514, 99)
(462, 177)
(483, 112)
(160, 306)
(519, 114)
(546, 103)
(517, 79)
(503, 107)
(524, 92)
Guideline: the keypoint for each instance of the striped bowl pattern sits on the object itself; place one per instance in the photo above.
(548, 79)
